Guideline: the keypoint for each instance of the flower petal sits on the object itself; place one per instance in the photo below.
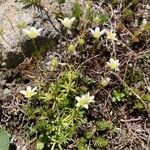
(28, 88)
(73, 19)
(103, 31)
(33, 29)
(23, 92)
(108, 63)
(34, 89)
(39, 30)
(77, 105)
(86, 106)
(92, 98)
(25, 31)
(78, 98)
(60, 20)
(91, 30)
(97, 29)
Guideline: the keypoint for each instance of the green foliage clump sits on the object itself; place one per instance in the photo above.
(147, 27)
(134, 2)
(103, 125)
(61, 1)
(100, 18)
(89, 134)
(77, 11)
(4, 140)
(101, 142)
(56, 119)
(30, 2)
(127, 13)
(115, 2)
(119, 95)
(136, 77)
(144, 104)
(40, 145)
(81, 143)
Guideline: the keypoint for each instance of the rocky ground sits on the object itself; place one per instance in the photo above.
(20, 66)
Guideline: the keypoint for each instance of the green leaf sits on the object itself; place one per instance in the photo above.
(61, 1)
(147, 27)
(4, 140)
(30, 2)
(100, 18)
(40, 145)
(77, 10)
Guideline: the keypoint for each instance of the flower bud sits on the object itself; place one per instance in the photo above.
(71, 48)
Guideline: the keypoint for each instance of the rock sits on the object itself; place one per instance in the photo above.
(14, 45)
(11, 49)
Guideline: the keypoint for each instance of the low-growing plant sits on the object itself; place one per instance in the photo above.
(115, 2)
(81, 143)
(56, 110)
(77, 11)
(4, 140)
(147, 27)
(100, 18)
(101, 142)
(56, 119)
(103, 125)
(30, 2)
(89, 133)
(119, 95)
(127, 13)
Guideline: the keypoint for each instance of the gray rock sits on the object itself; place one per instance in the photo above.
(11, 13)
(7, 92)
(15, 47)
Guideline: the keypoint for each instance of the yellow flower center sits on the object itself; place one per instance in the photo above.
(32, 34)
(110, 35)
(29, 94)
(83, 102)
(113, 65)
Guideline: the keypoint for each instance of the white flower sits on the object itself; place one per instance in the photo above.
(32, 32)
(105, 81)
(113, 63)
(97, 33)
(29, 92)
(67, 22)
(84, 100)
(111, 35)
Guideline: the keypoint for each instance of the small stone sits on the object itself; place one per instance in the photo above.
(7, 92)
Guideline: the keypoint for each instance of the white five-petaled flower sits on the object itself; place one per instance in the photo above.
(97, 33)
(111, 35)
(32, 32)
(105, 81)
(29, 92)
(113, 64)
(67, 22)
(84, 100)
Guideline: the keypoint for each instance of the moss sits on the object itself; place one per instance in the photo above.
(115, 2)
(127, 13)
(147, 27)
(101, 142)
(102, 125)
(89, 134)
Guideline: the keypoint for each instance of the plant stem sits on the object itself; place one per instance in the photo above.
(53, 146)
(33, 41)
(114, 49)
